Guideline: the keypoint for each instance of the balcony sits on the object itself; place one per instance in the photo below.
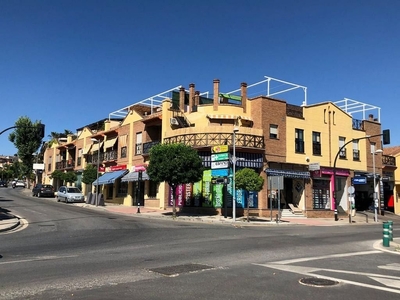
(201, 140)
(388, 160)
(148, 146)
(110, 155)
(65, 164)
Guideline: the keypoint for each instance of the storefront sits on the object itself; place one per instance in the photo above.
(323, 188)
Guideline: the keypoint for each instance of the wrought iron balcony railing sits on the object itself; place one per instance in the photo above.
(65, 164)
(198, 140)
(388, 160)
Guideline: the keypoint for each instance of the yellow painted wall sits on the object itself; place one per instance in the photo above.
(332, 123)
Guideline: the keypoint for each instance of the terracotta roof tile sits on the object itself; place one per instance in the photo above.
(392, 151)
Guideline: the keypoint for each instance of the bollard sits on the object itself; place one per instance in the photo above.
(386, 239)
(390, 230)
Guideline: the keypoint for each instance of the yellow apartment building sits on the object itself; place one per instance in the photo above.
(293, 147)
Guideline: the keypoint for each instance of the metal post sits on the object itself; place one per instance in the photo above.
(386, 238)
(139, 191)
(98, 166)
(233, 175)
(375, 198)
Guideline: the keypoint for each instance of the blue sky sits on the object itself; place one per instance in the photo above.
(71, 63)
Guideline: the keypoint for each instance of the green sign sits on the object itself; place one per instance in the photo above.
(220, 156)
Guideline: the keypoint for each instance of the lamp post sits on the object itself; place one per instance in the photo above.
(235, 130)
(376, 198)
(97, 177)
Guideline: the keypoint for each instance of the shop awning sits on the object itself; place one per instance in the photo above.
(86, 150)
(110, 143)
(96, 146)
(109, 177)
(287, 173)
(134, 176)
(228, 117)
(232, 97)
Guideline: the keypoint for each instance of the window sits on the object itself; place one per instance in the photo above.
(80, 152)
(321, 199)
(122, 189)
(123, 152)
(342, 141)
(356, 152)
(49, 165)
(316, 138)
(273, 131)
(152, 189)
(138, 148)
(299, 140)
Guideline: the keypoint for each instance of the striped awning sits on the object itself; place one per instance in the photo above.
(96, 146)
(287, 173)
(123, 140)
(110, 143)
(134, 176)
(109, 177)
(86, 150)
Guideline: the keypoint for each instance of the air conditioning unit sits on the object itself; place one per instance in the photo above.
(173, 121)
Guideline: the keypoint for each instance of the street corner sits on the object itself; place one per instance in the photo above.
(391, 246)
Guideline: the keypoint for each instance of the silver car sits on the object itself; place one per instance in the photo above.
(70, 194)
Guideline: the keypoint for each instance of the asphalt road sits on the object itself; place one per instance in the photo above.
(70, 252)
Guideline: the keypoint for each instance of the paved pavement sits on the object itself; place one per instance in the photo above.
(9, 222)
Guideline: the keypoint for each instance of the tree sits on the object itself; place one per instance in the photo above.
(175, 164)
(89, 175)
(69, 177)
(58, 175)
(55, 136)
(26, 137)
(248, 180)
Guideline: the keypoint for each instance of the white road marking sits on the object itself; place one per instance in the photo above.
(297, 260)
(36, 259)
(395, 267)
(388, 282)
(307, 271)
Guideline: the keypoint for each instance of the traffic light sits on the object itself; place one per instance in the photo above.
(386, 136)
(41, 130)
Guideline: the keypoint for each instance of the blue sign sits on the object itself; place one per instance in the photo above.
(359, 180)
(219, 172)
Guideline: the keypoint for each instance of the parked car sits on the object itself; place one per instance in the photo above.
(43, 190)
(19, 183)
(3, 183)
(69, 194)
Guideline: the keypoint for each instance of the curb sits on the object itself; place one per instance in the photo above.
(15, 223)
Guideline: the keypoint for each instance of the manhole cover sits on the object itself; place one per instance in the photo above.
(321, 282)
(179, 269)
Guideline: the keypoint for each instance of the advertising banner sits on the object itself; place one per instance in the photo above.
(197, 193)
(207, 192)
(218, 195)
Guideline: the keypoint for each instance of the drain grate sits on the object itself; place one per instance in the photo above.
(180, 269)
(319, 282)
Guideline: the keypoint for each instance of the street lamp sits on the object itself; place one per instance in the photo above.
(376, 198)
(235, 130)
(98, 161)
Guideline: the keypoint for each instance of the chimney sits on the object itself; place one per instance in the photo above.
(182, 99)
(370, 117)
(243, 89)
(196, 98)
(191, 97)
(216, 94)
